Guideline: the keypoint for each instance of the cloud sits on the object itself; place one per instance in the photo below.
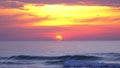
(20, 3)
(104, 2)
(11, 4)
(79, 32)
(11, 28)
(51, 19)
(50, 1)
(81, 2)
(20, 20)
(100, 20)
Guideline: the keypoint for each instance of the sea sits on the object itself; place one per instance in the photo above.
(59, 54)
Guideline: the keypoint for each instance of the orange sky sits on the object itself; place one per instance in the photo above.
(73, 21)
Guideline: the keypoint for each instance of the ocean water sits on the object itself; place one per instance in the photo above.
(60, 54)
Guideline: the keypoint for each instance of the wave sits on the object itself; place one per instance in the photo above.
(14, 63)
(25, 59)
(94, 56)
(67, 61)
(67, 57)
(108, 56)
(90, 64)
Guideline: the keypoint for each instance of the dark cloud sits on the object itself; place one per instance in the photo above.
(97, 2)
(11, 4)
(104, 2)
(20, 3)
(50, 1)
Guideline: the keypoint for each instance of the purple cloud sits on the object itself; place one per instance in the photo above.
(104, 2)
(50, 1)
(11, 4)
(98, 2)
(20, 3)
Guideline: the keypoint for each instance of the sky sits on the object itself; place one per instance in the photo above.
(73, 20)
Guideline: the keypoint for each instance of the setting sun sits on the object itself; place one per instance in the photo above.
(59, 37)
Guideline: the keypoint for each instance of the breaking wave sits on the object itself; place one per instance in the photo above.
(67, 61)
(75, 57)
(27, 59)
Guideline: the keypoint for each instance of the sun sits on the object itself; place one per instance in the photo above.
(59, 37)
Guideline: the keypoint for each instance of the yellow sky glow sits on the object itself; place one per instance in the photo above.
(61, 15)
(46, 21)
